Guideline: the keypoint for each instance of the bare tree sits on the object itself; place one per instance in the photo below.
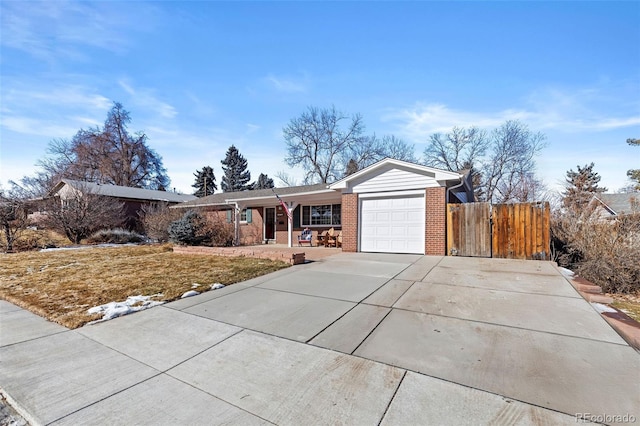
(325, 141)
(156, 219)
(393, 147)
(511, 164)
(82, 213)
(286, 179)
(318, 139)
(370, 149)
(13, 217)
(460, 149)
(457, 150)
(106, 155)
(502, 164)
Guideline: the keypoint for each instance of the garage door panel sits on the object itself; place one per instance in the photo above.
(398, 216)
(383, 216)
(415, 216)
(393, 225)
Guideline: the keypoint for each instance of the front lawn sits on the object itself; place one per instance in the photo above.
(62, 285)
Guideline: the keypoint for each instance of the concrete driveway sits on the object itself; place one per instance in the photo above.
(358, 339)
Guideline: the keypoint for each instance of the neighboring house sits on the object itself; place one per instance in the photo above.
(132, 198)
(613, 205)
(391, 206)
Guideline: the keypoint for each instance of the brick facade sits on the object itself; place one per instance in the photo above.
(250, 233)
(435, 228)
(435, 225)
(350, 222)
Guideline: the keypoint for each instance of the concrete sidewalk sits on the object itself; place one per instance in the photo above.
(351, 339)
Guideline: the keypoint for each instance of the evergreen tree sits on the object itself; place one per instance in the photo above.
(352, 167)
(236, 176)
(205, 183)
(634, 174)
(580, 187)
(263, 182)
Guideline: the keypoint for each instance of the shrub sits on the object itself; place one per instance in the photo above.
(36, 239)
(187, 229)
(194, 229)
(603, 251)
(115, 236)
(156, 219)
(218, 232)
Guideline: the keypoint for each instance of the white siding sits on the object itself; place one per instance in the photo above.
(395, 180)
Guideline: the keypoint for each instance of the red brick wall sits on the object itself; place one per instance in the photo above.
(435, 229)
(350, 222)
(250, 233)
(282, 235)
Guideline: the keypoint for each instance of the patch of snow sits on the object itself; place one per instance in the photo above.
(602, 308)
(195, 285)
(190, 293)
(216, 286)
(117, 309)
(566, 272)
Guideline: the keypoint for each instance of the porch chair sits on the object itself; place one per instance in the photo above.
(321, 239)
(305, 237)
(339, 240)
(330, 239)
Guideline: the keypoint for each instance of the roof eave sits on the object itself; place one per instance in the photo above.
(438, 174)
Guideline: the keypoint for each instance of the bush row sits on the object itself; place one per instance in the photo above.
(603, 251)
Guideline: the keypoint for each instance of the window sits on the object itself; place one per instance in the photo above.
(245, 216)
(327, 214)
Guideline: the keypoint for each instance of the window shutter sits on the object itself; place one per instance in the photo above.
(296, 217)
(248, 215)
(228, 216)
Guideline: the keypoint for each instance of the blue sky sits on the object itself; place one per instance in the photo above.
(200, 76)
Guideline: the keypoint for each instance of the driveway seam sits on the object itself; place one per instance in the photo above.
(36, 338)
(512, 327)
(181, 362)
(392, 397)
(372, 330)
(218, 398)
(501, 290)
(319, 297)
(106, 397)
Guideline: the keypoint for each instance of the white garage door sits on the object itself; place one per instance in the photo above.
(392, 224)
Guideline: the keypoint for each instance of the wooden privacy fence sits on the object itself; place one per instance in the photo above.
(513, 231)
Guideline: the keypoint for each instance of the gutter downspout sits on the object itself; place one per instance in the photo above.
(236, 222)
(454, 187)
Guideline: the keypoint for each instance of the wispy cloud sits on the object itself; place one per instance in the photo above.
(545, 109)
(287, 84)
(51, 111)
(252, 128)
(62, 30)
(146, 98)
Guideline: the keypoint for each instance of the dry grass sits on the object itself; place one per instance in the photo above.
(30, 239)
(62, 285)
(627, 303)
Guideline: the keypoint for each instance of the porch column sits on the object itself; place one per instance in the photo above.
(291, 205)
(236, 223)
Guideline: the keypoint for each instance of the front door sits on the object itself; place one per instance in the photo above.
(270, 223)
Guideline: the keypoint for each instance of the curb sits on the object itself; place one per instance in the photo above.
(623, 324)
